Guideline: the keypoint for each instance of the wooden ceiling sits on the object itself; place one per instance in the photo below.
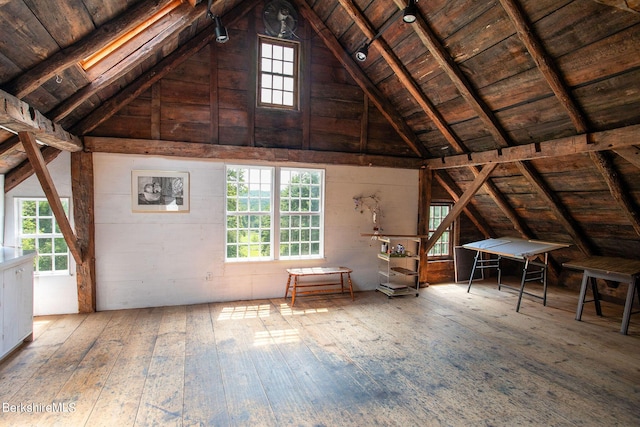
(548, 89)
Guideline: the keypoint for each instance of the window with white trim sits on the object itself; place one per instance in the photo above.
(274, 213)
(38, 231)
(278, 73)
(443, 246)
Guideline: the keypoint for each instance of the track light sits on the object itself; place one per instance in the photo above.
(221, 32)
(410, 12)
(361, 54)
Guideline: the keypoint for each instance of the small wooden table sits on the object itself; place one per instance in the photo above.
(326, 287)
(609, 268)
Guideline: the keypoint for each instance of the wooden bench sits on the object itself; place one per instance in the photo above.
(317, 287)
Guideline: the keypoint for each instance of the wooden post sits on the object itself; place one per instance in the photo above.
(425, 182)
(83, 213)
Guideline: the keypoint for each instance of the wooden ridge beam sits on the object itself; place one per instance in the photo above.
(168, 64)
(374, 94)
(37, 161)
(216, 151)
(584, 143)
(18, 116)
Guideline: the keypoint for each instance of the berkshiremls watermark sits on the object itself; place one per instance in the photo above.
(32, 407)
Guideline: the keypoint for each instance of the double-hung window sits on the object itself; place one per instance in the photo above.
(443, 246)
(278, 75)
(38, 231)
(274, 213)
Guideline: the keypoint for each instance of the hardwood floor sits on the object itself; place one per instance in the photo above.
(445, 358)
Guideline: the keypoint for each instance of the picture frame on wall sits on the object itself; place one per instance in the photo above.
(159, 191)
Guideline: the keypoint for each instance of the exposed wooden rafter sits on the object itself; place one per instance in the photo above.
(38, 75)
(372, 91)
(168, 64)
(553, 77)
(401, 73)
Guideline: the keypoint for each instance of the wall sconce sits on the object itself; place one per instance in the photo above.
(410, 12)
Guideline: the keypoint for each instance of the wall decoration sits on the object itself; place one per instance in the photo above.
(159, 191)
(372, 204)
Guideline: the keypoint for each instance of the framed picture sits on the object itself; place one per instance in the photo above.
(159, 191)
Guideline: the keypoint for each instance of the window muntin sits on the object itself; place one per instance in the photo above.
(278, 73)
(249, 213)
(442, 247)
(38, 231)
(265, 224)
(301, 216)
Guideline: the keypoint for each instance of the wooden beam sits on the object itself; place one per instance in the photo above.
(181, 20)
(630, 154)
(24, 170)
(452, 70)
(40, 167)
(216, 151)
(168, 64)
(374, 94)
(561, 213)
(18, 116)
(26, 83)
(603, 162)
(449, 185)
(425, 185)
(457, 209)
(544, 63)
(632, 6)
(585, 143)
(401, 73)
(83, 214)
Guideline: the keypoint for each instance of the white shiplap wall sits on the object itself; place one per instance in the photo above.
(157, 259)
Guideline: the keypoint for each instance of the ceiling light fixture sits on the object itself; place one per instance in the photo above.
(361, 54)
(410, 12)
(222, 36)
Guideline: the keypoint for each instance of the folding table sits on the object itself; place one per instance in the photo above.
(522, 250)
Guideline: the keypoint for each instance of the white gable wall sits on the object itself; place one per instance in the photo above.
(157, 259)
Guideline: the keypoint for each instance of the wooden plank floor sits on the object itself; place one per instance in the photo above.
(445, 358)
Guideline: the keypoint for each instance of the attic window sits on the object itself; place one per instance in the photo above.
(120, 41)
(278, 78)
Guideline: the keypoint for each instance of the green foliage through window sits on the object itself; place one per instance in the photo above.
(38, 231)
(252, 203)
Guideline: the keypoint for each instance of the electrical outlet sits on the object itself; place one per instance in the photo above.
(209, 276)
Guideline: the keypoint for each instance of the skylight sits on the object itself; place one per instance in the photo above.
(116, 44)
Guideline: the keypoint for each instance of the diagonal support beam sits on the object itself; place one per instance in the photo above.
(457, 209)
(37, 161)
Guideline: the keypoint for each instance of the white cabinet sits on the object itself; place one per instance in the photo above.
(399, 265)
(16, 299)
